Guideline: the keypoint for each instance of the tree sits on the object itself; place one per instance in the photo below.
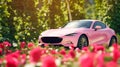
(113, 15)
(77, 8)
(97, 9)
(107, 11)
(24, 20)
(6, 28)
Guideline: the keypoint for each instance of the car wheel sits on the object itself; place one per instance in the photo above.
(112, 41)
(82, 42)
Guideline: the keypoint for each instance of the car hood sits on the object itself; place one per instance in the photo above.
(60, 32)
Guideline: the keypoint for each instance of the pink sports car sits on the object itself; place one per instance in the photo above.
(79, 33)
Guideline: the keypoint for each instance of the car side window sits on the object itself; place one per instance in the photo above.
(85, 24)
(98, 23)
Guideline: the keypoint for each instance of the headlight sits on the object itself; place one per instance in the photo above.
(72, 34)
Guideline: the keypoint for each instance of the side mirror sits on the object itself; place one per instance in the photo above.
(97, 28)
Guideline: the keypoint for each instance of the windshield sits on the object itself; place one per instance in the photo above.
(78, 24)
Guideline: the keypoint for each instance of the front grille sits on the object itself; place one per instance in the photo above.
(51, 39)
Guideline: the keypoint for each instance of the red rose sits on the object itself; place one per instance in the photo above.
(11, 61)
(15, 54)
(72, 47)
(53, 52)
(85, 49)
(8, 51)
(100, 61)
(22, 44)
(30, 45)
(62, 52)
(111, 64)
(35, 55)
(98, 48)
(1, 45)
(115, 46)
(48, 61)
(66, 58)
(116, 54)
(46, 45)
(86, 60)
(72, 53)
(6, 43)
(77, 49)
(44, 51)
(23, 59)
(1, 60)
(0, 51)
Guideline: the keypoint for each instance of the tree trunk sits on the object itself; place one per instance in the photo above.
(69, 12)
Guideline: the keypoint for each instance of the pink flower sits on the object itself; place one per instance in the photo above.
(15, 54)
(46, 45)
(116, 54)
(53, 52)
(44, 51)
(23, 59)
(66, 58)
(6, 43)
(12, 62)
(22, 44)
(35, 55)
(100, 61)
(86, 60)
(48, 61)
(30, 45)
(72, 53)
(1, 45)
(111, 64)
(98, 48)
(85, 49)
(1, 51)
(62, 52)
(8, 51)
(77, 49)
(115, 46)
(1, 60)
(72, 47)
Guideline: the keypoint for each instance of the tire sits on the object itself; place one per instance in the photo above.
(112, 41)
(82, 42)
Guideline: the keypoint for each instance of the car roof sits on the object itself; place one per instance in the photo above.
(86, 20)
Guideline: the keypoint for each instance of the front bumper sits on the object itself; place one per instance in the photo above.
(65, 40)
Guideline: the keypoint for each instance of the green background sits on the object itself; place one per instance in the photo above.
(24, 20)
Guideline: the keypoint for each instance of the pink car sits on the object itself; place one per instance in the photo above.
(79, 33)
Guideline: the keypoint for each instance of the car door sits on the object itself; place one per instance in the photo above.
(98, 35)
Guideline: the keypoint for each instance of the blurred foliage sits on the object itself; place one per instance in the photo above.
(6, 28)
(26, 19)
(97, 10)
(118, 37)
(113, 15)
